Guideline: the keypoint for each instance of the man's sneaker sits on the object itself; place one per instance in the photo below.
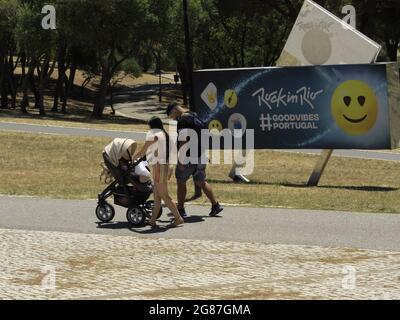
(215, 209)
(238, 178)
(182, 212)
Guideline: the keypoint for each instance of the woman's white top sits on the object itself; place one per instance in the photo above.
(157, 152)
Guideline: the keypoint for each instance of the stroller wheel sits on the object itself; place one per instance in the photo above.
(105, 212)
(135, 216)
(149, 205)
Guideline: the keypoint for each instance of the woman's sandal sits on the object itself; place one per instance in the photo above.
(175, 224)
(152, 224)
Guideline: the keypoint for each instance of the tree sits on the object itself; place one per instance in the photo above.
(389, 29)
(8, 13)
(175, 41)
(113, 32)
(243, 33)
(107, 38)
(129, 67)
(379, 20)
(37, 46)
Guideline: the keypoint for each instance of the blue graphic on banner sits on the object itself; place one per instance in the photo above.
(328, 107)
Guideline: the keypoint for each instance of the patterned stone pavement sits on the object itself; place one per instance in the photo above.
(55, 265)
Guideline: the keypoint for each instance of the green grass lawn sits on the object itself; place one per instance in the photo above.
(68, 167)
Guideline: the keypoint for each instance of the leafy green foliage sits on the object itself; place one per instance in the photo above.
(110, 37)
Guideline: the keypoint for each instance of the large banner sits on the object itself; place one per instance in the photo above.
(321, 107)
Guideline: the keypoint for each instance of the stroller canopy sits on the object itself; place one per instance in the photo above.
(118, 148)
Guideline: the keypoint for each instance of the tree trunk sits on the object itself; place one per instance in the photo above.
(101, 94)
(72, 77)
(40, 98)
(25, 100)
(34, 88)
(13, 91)
(4, 98)
(64, 101)
(24, 83)
(61, 78)
(42, 111)
(184, 83)
(243, 44)
(23, 67)
(3, 88)
(69, 85)
(57, 94)
(392, 49)
(11, 82)
(111, 92)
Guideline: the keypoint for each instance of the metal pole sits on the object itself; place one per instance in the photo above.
(319, 168)
(159, 77)
(189, 55)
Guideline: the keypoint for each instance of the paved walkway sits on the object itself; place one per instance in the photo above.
(54, 249)
(70, 131)
(263, 225)
(142, 102)
(55, 265)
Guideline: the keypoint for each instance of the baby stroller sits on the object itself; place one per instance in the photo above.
(128, 192)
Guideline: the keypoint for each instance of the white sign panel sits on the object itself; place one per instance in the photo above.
(319, 37)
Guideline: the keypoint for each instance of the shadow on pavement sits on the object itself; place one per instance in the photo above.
(126, 225)
(190, 219)
(143, 92)
(150, 230)
(144, 229)
(194, 219)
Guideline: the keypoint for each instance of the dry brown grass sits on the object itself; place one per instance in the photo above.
(68, 167)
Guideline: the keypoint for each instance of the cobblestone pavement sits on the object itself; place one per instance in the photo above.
(56, 265)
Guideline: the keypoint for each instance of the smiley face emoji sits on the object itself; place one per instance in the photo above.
(354, 107)
(230, 98)
(215, 126)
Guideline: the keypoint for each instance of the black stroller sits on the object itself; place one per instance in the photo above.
(128, 192)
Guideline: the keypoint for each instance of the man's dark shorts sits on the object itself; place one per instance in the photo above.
(184, 172)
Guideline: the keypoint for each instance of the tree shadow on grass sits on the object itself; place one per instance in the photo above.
(257, 182)
(362, 188)
(304, 185)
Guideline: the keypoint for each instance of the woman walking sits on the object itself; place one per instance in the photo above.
(157, 152)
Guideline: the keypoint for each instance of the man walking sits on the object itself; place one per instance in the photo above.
(190, 120)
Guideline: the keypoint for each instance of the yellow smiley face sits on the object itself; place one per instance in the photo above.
(212, 97)
(230, 98)
(215, 126)
(354, 107)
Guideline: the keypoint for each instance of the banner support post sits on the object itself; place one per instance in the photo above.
(319, 168)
